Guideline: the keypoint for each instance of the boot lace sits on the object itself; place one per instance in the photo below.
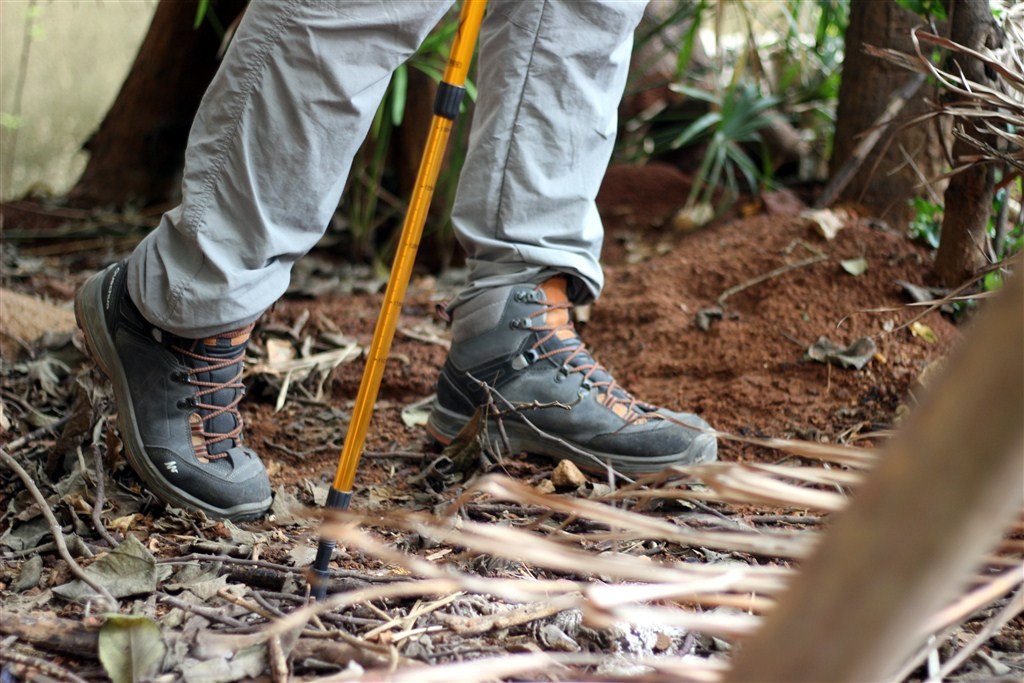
(209, 411)
(578, 359)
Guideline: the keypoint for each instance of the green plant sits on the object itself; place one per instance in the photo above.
(929, 9)
(926, 223)
(767, 64)
(1006, 240)
(736, 117)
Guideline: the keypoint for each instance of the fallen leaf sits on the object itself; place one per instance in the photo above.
(130, 648)
(922, 331)
(691, 218)
(827, 222)
(706, 316)
(855, 266)
(416, 413)
(279, 351)
(856, 355)
(128, 569)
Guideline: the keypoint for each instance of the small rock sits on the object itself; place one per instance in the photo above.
(545, 486)
(567, 476)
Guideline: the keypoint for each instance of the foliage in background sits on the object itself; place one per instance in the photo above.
(766, 63)
(990, 118)
(1005, 239)
(929, 9)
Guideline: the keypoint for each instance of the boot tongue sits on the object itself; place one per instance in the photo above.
(555, 292)
(227, 346)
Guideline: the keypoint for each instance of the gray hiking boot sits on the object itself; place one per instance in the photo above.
(177, 403)
(520, 342)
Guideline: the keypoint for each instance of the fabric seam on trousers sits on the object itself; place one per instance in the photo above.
(499, 231)
(220, 158)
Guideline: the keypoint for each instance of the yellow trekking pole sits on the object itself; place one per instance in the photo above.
(446, 108)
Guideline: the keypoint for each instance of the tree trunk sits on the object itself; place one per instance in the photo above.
(968, 198)
(904, 157)
(137, 153)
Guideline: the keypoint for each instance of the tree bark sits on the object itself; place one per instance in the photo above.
(904, 157)
(137, 153)
(968, 197)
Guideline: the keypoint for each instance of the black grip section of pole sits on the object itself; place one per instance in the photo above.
(448, 100)
(320, 576)
(338, 500)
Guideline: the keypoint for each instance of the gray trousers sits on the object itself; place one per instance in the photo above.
(272, 145)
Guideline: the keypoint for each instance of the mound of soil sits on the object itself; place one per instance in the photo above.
(769, 286)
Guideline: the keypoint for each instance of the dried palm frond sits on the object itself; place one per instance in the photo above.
(988, 116)
(572, 555)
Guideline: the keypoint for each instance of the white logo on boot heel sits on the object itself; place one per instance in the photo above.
(172, 466)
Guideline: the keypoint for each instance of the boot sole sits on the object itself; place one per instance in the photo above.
(443, 425)
(100, 345)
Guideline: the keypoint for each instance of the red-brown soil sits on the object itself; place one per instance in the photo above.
(747, 374)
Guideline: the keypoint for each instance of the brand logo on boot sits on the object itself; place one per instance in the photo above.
(172, 466)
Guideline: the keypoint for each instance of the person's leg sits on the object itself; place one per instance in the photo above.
(551, 75)
(269, 154)
(267, 159)
(550, 80)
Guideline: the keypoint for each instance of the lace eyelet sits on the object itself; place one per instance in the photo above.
(186, 403)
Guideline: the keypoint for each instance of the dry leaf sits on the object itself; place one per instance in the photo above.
(855, 266)
(922, 331)
(827, 222)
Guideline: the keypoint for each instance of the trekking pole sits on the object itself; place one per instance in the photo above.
(446, 108)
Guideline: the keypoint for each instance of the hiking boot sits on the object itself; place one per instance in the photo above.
(520, 343)
(177, 403)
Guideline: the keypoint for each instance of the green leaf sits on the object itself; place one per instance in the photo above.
(11, 121)
(131, 648)
(992, 281)
(399, 92)
(695, 129)
(201, 10)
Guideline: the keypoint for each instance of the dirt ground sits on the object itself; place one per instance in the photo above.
(717, 321)
(747, 374)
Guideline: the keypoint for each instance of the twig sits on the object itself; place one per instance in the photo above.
(278, 662)
(6, 653)
(781, 270)
(246, 604)
(202, 611)
(14, 446)
(517, 411)
(55, 530)
(226, 559)
(842, 177)
(517, 617)
(1012, 608)
(100, 496)
(265, 604)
